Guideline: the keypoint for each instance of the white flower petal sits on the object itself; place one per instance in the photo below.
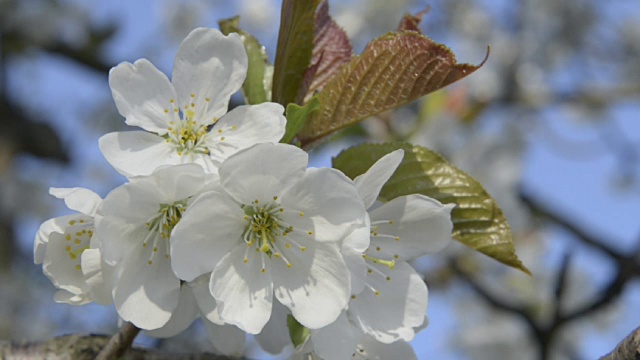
(352, 249)
(209, 229)
(421, 224)
(338, 340)
(206, 303)
(176, 183)
(399, 307)
(226, 339)
(78, 199)
(370, 183)
(245, 126)
(58, 224)
(329, 201)
(146, 295)
(370, 349)
(244, 293)
(65, 297)
(98, 276)
(262, 172)
(210, 65)
(62, 264)
(136, 153)
(274, 337)
(122, 216)
(182, 317)
(142, 93)
(316, 288)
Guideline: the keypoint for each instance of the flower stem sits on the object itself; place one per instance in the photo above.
(119, 343)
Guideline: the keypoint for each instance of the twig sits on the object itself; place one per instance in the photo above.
(119, 343)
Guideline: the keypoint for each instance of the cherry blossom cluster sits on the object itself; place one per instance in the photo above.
(219, 221)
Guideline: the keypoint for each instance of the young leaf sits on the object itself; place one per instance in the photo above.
(392, 70)
(332, 48)
(296, 117)
(254, 89)
(295, 46)
(298, 333)
(412, 22)
(478, 221)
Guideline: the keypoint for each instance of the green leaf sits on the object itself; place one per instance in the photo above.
(295, 47)
(296, 118)
(254, 88)
(298, 333)
(392, 70)
(478, 221)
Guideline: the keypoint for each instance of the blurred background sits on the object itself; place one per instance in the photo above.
(550, 126)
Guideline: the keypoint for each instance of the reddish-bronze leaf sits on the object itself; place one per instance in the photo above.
(392, 70)
(332, 48)
(412, 22)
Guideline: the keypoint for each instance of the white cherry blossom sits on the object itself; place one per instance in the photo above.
(69, 253)
(134, 224)
(272, 227)
(184, 119)
(390, 298)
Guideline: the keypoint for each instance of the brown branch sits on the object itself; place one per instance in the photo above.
(627, 349)
(79, 347)
(119, 343)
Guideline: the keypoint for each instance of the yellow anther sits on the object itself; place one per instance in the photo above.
(245, 260)
(207, 99)
(301, 213)
(155, 249)
(68, 237)
(166, 256)
(262, 270)
(72, 222)
(378, 248)
(144, 245)
(369, 271)
(353, 297)
(175, 110)
(277, 255)
(171, 101)
(397, 238)
(310, 232)
(149, 262)
(67, 248)
(287, 246)
(377, 293)
(78, 267)
(81, 221)
(388, 278)
(275, 198)
(166, 111)
(193, 95)
(77, 241)
(234, 127)
(222, 138)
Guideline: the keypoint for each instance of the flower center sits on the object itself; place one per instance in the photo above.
(77, 238)
(264, 227)
(187, 134)
(267, 230)
(160, 226)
